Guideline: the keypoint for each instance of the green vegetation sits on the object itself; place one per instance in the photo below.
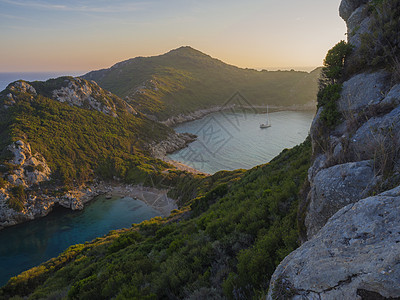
(78, 143)
(330, 85)
(227, 243)
(184, 80)
(17, 198)
(380, 46)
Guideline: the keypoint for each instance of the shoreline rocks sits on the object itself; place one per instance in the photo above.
(201, 113)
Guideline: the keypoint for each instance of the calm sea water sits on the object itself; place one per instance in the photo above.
(27, 245)
(228, 141)
(7, 78)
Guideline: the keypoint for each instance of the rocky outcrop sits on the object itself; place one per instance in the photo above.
(347, 8)
(73, 91)
(369, 132)
(353, 247)
(82, 93)
(38, 204)
(356, 253)
(174, 142)
(198, 114)
(27, 169)
(335, 187)
(362, 91)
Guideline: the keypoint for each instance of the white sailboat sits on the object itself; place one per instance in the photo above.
(268, 123)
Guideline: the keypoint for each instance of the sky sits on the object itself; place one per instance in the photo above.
(71, 35)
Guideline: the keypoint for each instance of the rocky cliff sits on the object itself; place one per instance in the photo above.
(28, 170)
(73, 91)
(57, 136)
(352, 248)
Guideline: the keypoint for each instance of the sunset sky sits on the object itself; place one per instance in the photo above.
(91, 34)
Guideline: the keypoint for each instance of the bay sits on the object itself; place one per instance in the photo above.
(29, 244)
(229, 141)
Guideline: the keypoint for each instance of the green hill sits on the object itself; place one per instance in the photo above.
(184, 80)
(224, 243)
(77, 130)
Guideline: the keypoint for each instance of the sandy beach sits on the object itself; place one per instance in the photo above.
(153, 197)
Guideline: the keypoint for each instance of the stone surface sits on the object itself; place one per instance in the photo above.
(172, 143)
(358, 24)
(41, 204)
(29, 168)
(393, 97)
(347, 7)
(377, 137)
(79, 93)
(358, 250)
(198, 114)
(353, 247)
(23, 87)
(363, 90)
(336, 187)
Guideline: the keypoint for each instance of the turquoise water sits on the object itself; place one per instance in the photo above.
(228, 141)
(27, 245)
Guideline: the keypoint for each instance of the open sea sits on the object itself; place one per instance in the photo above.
(7, 78)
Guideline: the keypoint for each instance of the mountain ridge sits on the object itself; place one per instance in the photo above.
(185, 80)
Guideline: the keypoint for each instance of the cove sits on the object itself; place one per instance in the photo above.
(230, 141)
(29, 244)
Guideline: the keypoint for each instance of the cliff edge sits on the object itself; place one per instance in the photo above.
(350, 218)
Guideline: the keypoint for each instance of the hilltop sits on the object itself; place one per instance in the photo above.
(57, 136)
(185, 80)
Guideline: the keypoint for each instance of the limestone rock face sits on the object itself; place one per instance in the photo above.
(353, 239)
(30, 168)
(363, 90)
(358, 24)
(378, 137)
(336, 187)
(23, 87)
(347, 7)
(40, 205)
(198, 114)
(173, 143)
(80, 93)
(356, 253)
(370, 129)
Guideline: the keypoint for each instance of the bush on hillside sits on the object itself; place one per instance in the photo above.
(380, 47)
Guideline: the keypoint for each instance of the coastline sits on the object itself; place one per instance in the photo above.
(78, 198)
(201, 113)
(182, 140)
(155, 198)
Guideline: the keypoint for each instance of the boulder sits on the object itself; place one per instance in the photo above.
(377, 138)
(356, 255)
(336, 187)
(358, 24)
(363, 90)
(347, 7)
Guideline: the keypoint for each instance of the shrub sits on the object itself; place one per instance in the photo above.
(334, 62)
(17, 198)
(3, 182)
(380, 47)
(329, 84)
